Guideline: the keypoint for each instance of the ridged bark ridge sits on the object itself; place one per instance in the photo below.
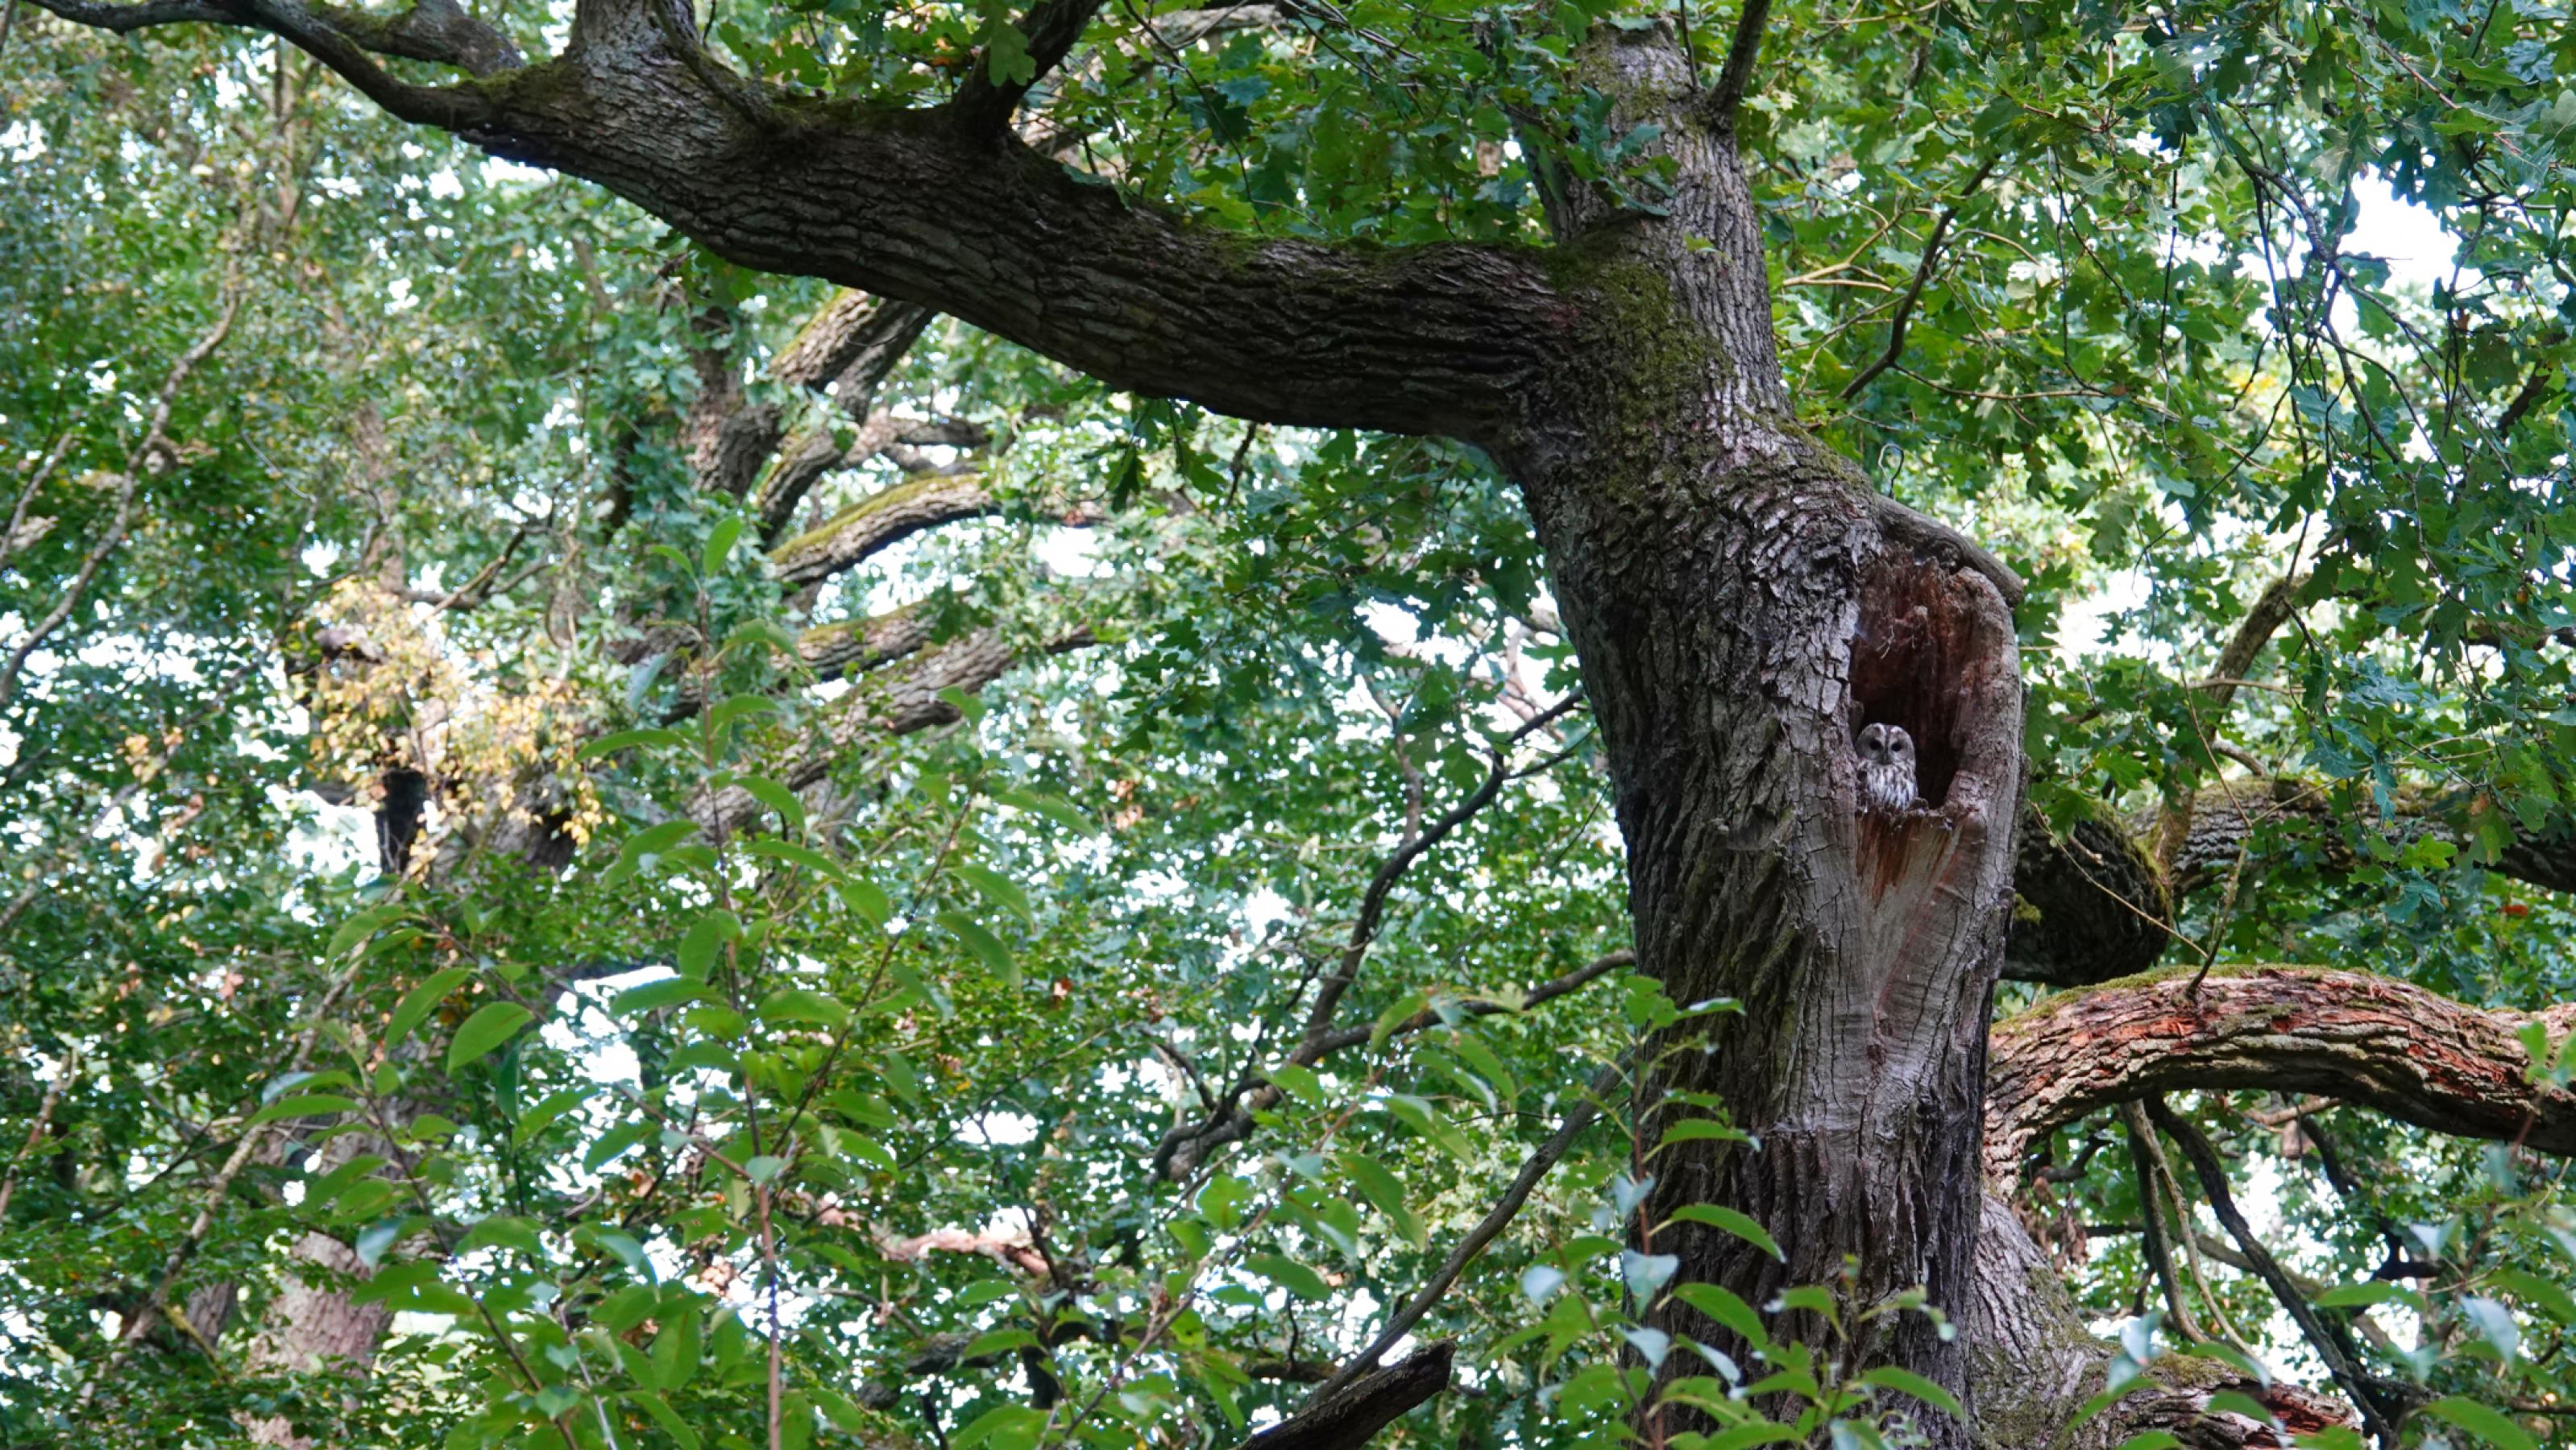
(1741, 609)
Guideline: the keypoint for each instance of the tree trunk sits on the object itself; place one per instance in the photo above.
(1742, 606)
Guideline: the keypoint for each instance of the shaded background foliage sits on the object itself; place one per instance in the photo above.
(2094, 283)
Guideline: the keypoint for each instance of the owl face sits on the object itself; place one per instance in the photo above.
(1887, 781)
(1886, 745)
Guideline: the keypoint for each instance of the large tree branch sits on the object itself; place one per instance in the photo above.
(915, 206)
(2094, 905)
(890, 704)
(2382, 1044)
(880, 520)
(906, 205)
(2089, 906)
(342, 40)
(2223, 817)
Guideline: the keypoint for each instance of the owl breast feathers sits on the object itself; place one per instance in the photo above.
(1886, 769)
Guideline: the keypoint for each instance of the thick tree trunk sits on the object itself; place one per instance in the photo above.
(1742, 607)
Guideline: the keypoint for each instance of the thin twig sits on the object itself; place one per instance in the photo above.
(154, 438)
(204, 1224)
(2328, 1345)
(1577, 1118)
(1914, 291)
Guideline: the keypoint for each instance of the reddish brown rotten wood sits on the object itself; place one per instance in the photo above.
(2358, 1038)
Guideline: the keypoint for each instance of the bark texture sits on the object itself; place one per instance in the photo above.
(2412, 1054)
(1741, 608)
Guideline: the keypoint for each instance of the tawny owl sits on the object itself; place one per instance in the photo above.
(1886, 769)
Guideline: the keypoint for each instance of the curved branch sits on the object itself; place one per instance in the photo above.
(832, 651)
(879, 521)
(887, 705)
(1586, 1107)
(2382, 1044)
(341, 40)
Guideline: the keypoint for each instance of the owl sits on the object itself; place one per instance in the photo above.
(1886, 769)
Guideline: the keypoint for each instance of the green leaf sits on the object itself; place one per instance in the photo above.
(1298, 1082)
(738, 707)
(677, 1349)
(765, 1168)
(306, 1105)
(1729, 1221)
(987, 947)
(1290, 1275)
(866, 899)
(552, 1106)
(362, 926)
(2487, 1424)
(666, 1417)
(1419, 1115)
(778, 798)
(503, 1231)
(649, 842)
(805, 856)
(613, 1142)
(803, 1004)
(1402, 1010)
(707, 936)
(2346, 1296)
(487, 1029)
(1725, 1307)
(1004, 1427)
(764, 631)
(2237, 1402)
(1382, 1188)
(420, 1001)
(1054, 808)
(311, 1082)
(1697, 1130)
(376, 1238)
(1907, 1382)
(1487, 1066)
(628, 740)
(653, 996)
(720, 543)
(2538, 1293)
(996, 888)
(994, 1341)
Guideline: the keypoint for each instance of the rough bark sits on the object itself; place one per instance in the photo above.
(2036, 1365)
(1351, 1417)
(884, 706)
(2090, 906)
(1741, 608)
(2412, 1054)
(2227, 823)
(877, 522)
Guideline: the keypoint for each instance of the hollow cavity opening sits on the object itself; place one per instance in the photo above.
(1909, 657)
